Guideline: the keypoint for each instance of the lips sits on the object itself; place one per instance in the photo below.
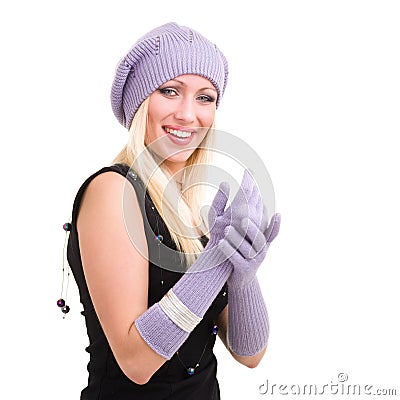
(179, 135)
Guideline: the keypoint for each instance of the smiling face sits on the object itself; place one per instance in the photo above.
(180, 113)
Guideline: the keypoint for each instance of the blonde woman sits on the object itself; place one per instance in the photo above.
(154, 282)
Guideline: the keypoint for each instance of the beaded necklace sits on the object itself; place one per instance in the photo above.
(192, 370)
(159, 239)
(61, 302)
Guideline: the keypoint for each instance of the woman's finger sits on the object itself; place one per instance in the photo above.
(231, 253)
(249, 246)
(264, 219)
(273, 228)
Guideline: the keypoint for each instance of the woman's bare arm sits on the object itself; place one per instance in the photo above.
(116, 271)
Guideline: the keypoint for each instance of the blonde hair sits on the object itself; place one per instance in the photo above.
(157, 177)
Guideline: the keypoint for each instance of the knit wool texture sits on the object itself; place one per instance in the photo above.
(197, 289)
(248, 323)
(162, 54)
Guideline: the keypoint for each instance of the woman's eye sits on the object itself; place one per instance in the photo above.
(168, 91)
(206, 99)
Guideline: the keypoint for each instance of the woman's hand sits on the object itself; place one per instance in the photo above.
(246, 204)
(246, 246)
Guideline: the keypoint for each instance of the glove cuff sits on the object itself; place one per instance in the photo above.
(248, 323)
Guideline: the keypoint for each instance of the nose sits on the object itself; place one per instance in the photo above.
(185, 111)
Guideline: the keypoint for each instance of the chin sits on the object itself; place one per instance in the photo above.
(180, 160)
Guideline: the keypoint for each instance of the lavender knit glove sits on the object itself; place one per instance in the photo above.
(166, 325)
(247, 254)
(248, 325)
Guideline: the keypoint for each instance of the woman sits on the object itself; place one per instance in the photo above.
(153, 285)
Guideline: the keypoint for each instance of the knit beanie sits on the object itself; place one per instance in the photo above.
(159, 56)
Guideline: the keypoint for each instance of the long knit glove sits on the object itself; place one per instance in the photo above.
(246, 245)
(166, 325)
(248, 326)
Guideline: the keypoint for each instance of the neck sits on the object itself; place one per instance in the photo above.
(177, 172)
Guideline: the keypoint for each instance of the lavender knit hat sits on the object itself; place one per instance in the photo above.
(159, 56)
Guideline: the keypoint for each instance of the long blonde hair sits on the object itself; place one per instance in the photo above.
(158, 177)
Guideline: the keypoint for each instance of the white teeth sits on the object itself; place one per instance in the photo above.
(181, 134)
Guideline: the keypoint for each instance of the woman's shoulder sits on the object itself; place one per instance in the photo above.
(121, 169)
(105, 182)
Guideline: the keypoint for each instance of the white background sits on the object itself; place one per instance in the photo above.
(314, 88)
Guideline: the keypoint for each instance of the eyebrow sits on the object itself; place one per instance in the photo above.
(184, 84)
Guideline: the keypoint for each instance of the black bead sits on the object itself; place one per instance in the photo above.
(65, 309)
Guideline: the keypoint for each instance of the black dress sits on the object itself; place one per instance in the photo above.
(106, 380)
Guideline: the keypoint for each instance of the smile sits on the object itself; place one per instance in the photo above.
(175, 132)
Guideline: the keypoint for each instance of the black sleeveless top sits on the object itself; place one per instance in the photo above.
(106, 380)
